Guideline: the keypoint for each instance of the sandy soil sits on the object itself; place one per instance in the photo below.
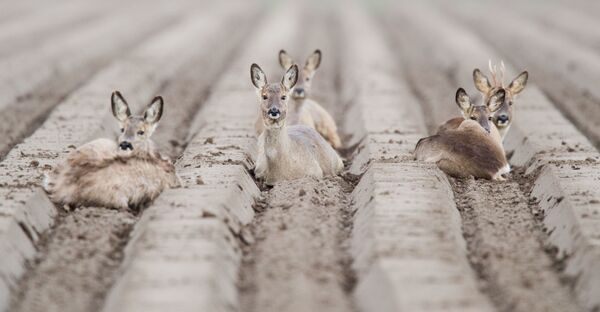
(506, 246)
(45, 285)
(506, 243)
(300, 261)
(297, 257)
(76, 264)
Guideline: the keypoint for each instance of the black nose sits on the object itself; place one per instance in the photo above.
(503, 118)
(299, 91)
(125, 145)
(274, 113)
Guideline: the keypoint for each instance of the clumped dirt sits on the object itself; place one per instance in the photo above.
(299, 261)
(91, 245)
(506, 246)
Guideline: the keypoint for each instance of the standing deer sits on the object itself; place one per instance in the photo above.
(302, 110)
(125, 175)
(471, 147)
(288, 152)
(504, 115)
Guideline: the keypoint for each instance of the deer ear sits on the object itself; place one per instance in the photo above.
(119, 106)
(314, 60)
(291, 77)
(259, 79)
(496, 100)
(517, 85)
(285, 60)
(154, 110)
(462, 99)
(481, 82)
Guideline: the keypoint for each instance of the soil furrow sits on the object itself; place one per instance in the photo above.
(300, 249)
(507, 248)
(76, 263)
(49, 283)
(504, 241)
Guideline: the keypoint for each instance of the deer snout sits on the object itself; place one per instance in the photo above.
(125, 146)
(274, 113)
(502, 119)
(299, 92)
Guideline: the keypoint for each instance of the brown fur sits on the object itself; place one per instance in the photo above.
(102, 173)
(450, 124)
(467, 147)
(462, 152)
(288, 152)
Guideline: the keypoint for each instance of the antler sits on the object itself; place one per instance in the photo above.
(497, 74)
(492, 72)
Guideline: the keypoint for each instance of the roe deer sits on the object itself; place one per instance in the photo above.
(125, 175)
(470, 148)
(302, 110)
(503, 116)
(288, 152)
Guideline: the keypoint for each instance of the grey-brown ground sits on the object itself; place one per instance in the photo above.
(50, 279)
(299, 258)
(299, 261)
(505, 242)
(506, 246)
(76, 264)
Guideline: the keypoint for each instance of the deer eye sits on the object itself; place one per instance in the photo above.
(122, 130)
(264, 97)
(283, 97)
(140, 132)
(307, 79)
(473, 118)
(489, 118)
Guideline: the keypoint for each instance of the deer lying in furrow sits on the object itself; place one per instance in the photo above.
(301, 109)
(126, 175)
(474, 147)
(502, 117)
(288, 152)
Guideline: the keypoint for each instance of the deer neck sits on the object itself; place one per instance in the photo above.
(503, 132)
(296, 104)
(496, 135)
(277, 142)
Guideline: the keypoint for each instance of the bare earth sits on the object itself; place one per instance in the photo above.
(223, 242)
(91, 248)
(301, 232)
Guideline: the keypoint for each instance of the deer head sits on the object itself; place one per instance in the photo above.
(503, 116)
(305, 75)
(135, 130)
(482, 114)
(273, 97)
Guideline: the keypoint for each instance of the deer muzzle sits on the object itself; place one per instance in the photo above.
(274, 113)
(125, 146)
